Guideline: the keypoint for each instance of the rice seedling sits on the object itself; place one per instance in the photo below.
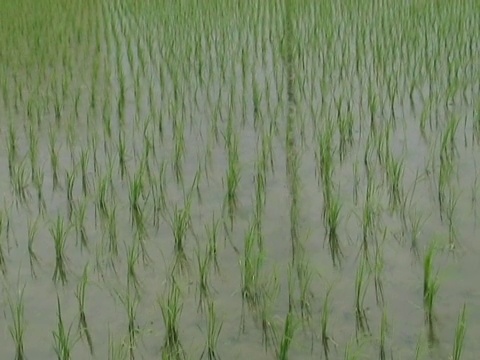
(361, 286)
(32, 233)
(251, 264)
(383, 335)
(133, 255)
(203, 264)
(304, 274)
(212, 247)
(136, 196)
(62, 338)
(82, 319)
(179, 150)
(116, 351)
(213, 333)
(332, 214)
(59, 232)
(232, 177)
(54, 160)
(17, 328)
(171, 308)
(394, 176)
(84, 158)
(38, 179)
(430, 285)
(20, 182)
(12, 148)
(3, 264)
(450, 214)
(130, 302)
(79, 211)
(70, 183)
(378, 271)
(289, 328)
(326, 338)
(266, 309)
(460, 331)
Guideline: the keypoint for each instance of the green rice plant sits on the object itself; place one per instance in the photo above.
(394, 177)
(38, 179)
(133, 255)
(111, 232)
(102, 197)
(33, 149)
(378, 271)
(171, 308)
(136, 197)
(32, 233)
(179, 150)
(116, 351)
(383, 335)
(130, 302)
(332, 214)
(54, 160)
(3, 264)
(203, 286)
(450, 215)
(17, 328)
(82, 320)
(181, 223)
(460, 331)
(79, 211)
(212, 247)
(70, 183)
(159, 195)
(266, 309)
(12, 147)
(326, 338)
(232, 178)
(122, 154)
(430, 284)
(251, 264)
(304, 274)
(62, 338)
(59, 232)
(213, 333)
(20, 181)
(287, 336)
(361, 286)
(84, 158)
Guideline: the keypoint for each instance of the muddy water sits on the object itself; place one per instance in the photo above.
(173, 88)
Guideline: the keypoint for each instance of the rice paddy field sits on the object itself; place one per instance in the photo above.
(239, 179)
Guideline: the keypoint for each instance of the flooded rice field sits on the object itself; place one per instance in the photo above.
(237, 179)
